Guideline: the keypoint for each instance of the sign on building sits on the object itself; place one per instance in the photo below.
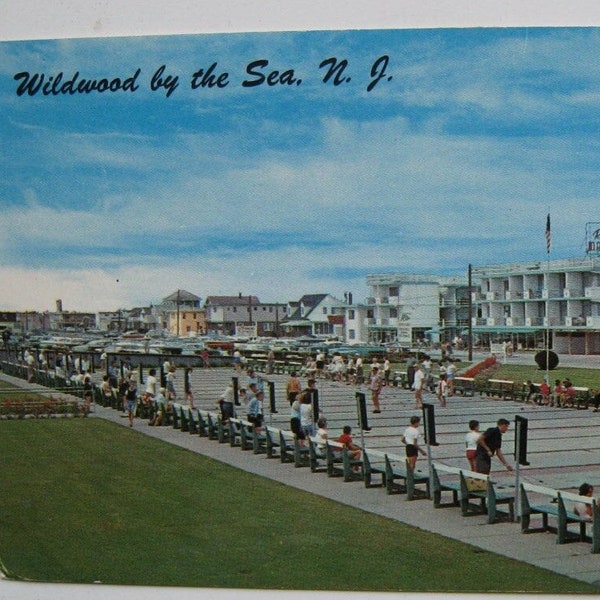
(592, 239)
(245, 330)
(404, 334)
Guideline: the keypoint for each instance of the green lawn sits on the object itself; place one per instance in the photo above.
(85, 500)
(578, 376)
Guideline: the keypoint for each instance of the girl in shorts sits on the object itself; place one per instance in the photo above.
(471, 442)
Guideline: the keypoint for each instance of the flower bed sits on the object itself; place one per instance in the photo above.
(36, 407)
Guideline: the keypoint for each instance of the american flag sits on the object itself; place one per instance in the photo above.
(548, 234)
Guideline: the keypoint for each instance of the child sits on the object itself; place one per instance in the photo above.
(347, 441)
(471, 442)
(442, 390)
(558, 392)
(532, 392)
(544, 393)
(411, 439)
(582, 508)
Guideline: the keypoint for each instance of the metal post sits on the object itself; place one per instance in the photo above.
(470, 323)
(272, 397)
(236, 391)
(363, 419)
(315, 404)
(517, 511)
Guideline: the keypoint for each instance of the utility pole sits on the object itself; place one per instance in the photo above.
(178, 299)
(470, 323)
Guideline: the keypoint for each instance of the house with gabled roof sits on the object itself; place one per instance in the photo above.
(314, 314)
(242, 315)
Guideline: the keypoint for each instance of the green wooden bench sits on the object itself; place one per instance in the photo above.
(439, 486)
(184, 416)
(468, 485)
(251, 439)
(491, 496)
(202, 422)
(193, 421)
(317, 455)
(272, 442)
(373, 465)
(235, 433)
(287, 446)
(339, 462)
(501, 388)
(212, 425)
(176, 415)
(582, 398)
(222, 429)
(465, 386)
(553, 505)
(400, 379)
(291, 450)
(400, 478)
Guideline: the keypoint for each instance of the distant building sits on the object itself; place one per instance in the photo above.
(186, 322)
(180, 313)
(409, 309)
(243, 316)
(315, 314)
(526, 302)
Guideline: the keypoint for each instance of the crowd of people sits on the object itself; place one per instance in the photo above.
(306, 420)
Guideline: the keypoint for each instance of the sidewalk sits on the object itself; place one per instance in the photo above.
(573, 559)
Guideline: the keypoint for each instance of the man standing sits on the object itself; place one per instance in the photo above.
(375, 389)
(418, 384)
(488, 444)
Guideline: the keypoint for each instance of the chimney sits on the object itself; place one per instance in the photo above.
(59, 307)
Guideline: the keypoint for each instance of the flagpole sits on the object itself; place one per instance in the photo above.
(548, 246)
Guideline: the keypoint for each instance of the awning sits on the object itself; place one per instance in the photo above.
(508, 330)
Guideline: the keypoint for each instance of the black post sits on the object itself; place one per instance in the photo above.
(141, 373)
(521, 440)
(363, 419)
(187, 384)
(163, 375)
(272, 396)
(315, 404)
(470, 323)
(429, 424)
(236, 391)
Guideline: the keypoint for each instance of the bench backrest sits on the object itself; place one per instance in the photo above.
(440, 467)
(539, 489)
(374, 455)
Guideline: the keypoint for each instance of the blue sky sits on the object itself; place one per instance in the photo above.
(117, 199)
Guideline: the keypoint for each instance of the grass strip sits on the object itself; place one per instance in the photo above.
(87, 500)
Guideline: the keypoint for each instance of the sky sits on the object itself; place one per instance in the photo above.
(468, 138)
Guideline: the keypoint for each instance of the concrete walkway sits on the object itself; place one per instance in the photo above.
(564, 450)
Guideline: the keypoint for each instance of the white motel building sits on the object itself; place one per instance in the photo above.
(521, 303)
